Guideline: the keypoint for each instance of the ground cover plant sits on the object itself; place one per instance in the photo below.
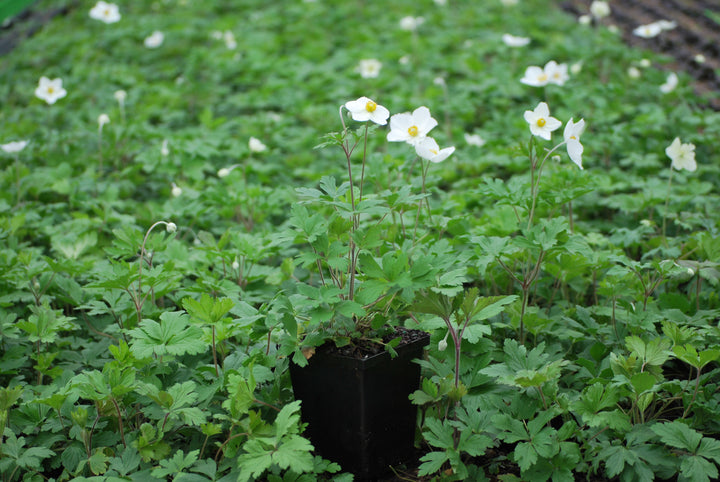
(175, 217)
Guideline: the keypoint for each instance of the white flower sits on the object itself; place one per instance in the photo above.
(369, 68)
(439, 81)
(572, 133)
(224, 172)
(229, 39)
(584, 19)
(648, 31)
(105, 12)
(556, 73)
(670, 83)
(176, 190)
(613, 29)
(576, 67)
(171, 227)
(164, 150)
(681, 155)
(50, 90)
(120, 96)
(428, 149)
(508, 3)
(154, 40)
(256, 145)
(440, 3)
(599, 9)
(404, 60)
(535, 76)
(474, 140)
(513, 41)
(102, 120)
(235, 264)
(411, 23)
(645, 63)
(541, 124)
(13, 147)
(411, 128)
(216, 34)
(699, 58)
(365, 109)
(633, 72)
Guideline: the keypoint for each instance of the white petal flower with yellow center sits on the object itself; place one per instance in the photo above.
(648, 31)
(681, 155)
(256, 145)
(572, 133)
(411, 128)
(369, 68)
(154, 40)
(540, 121)
(365, 109)
(13, 147)
(428, 148)
(514, 41)
(50, 90)
(556, 73)
(535, 76)
(105, 12)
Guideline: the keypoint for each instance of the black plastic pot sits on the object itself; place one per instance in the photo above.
(357, 410)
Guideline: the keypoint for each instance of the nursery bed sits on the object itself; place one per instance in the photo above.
(697, 33)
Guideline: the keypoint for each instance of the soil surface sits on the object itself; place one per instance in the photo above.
(697, 33)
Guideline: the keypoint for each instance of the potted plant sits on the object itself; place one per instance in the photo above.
(352, 358)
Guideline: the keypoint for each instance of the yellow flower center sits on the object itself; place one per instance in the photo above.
(50, 90)
(106, 12)
(370, 106)
(543, 77)
(434, 151)
(413, 131)
(541, 122)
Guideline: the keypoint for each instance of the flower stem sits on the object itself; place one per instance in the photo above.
(667, 203)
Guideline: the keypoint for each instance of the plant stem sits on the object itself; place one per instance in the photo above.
(695, 392)
(214, 352)
(120, 423)
(667, 203)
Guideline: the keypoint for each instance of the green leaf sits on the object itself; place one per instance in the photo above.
(177, 464)
(207, 310)
(679, 435)
(642, 382)
(288, 419)
(697, 469)
(432, 462)
(439, 433)
(615, 458)
(294, 453)
(172, 336)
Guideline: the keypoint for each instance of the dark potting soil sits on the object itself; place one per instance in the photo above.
(28, 22)
(365, 348)
(697, 32)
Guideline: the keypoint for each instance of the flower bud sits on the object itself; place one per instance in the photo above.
(102, 120)
(171, 227)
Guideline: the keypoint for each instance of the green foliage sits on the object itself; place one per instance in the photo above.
(572, 312)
